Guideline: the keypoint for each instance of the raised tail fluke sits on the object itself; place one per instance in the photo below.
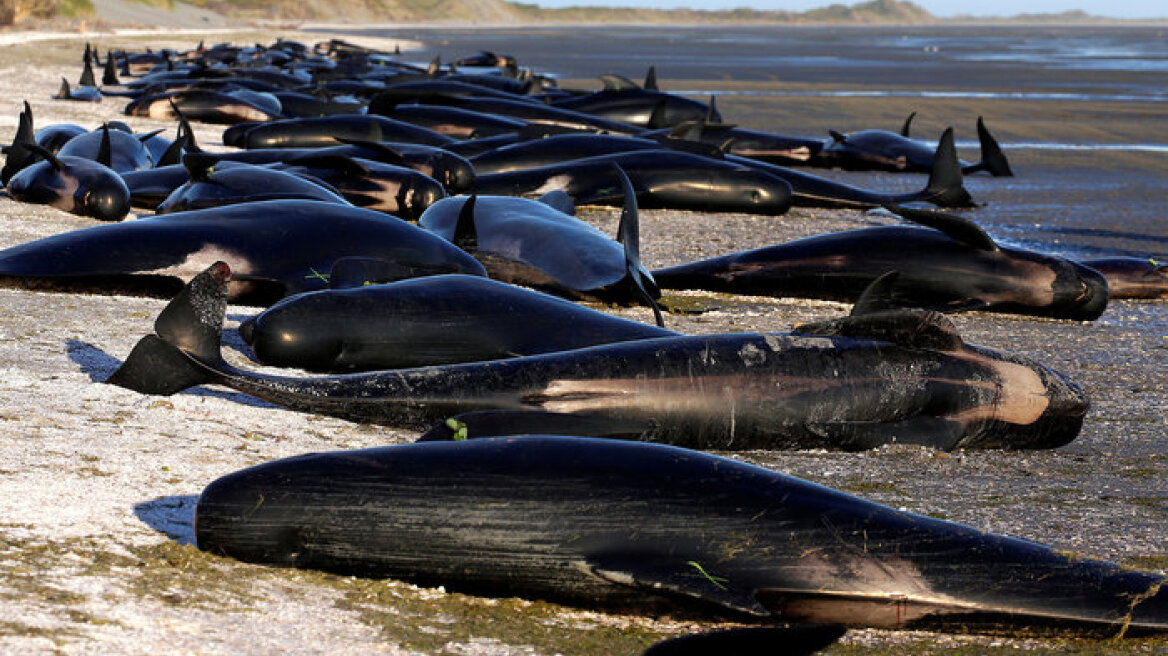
(993, 160)
(946, 186)
(187, 333)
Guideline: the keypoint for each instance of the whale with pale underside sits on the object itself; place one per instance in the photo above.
(279, 247)
(853, 383)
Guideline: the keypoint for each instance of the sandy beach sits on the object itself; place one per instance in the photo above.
(98, 484)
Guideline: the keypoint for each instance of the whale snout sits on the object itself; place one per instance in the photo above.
(1081, 292)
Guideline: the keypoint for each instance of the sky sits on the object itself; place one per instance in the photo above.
(941, 8)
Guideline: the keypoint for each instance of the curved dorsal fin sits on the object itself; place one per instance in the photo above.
(105, 152)
(907, 127)
(657, 119)
(912, 328)
(993, 160)
(65, 91)
(559, 199)
(87, 78)
(466, 235)
(958, 228)
(651, 80)
(614, 82)
(46, 154)
(839, 137)
(200, 166)
(877, 296)
(109, 76)
(629, 236)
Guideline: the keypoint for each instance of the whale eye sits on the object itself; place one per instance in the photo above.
(755, 197)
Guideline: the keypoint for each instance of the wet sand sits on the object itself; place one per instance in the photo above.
(97, 484)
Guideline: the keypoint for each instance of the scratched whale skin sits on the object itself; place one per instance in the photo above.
(851, 383)
(607, 523)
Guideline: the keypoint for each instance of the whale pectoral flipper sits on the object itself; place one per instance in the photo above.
(685, 578)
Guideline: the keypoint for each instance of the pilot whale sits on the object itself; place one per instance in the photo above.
(851, 383)
(646, 527)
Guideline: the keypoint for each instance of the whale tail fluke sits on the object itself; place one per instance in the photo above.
(993, 160)
(946, 186)
(186, 343)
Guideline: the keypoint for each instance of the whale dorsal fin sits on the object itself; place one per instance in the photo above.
(958, 228)
(712, 113)
(877, 296)
(651, 80)
(105, 152)
(65, 91)
(688, 130)
(614, 82)
(87, 78)
(559, 199)
(200, 166)
(993, 160)
(46, 154)
(839, 137)
(657, 119)
(629, 236)
(911, 328)
(907, 127)
(466, 234)
(109, 75)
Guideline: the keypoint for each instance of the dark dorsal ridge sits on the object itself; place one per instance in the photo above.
(465, 232)
(109, 76)
(200, 166)
(45, 153)
(651, 79)
(105, 152)
(629, 236)
(877, 296)
(657, 119)
(907, 127)
(911, 328)
(87, 78)
(958, 228)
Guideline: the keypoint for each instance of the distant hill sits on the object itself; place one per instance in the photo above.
(476, 11)
(873, 12)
